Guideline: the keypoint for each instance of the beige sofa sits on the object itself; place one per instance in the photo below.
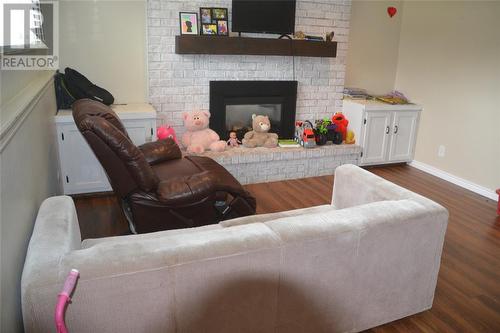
(370, 258)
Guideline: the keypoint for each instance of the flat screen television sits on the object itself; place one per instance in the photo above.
(263, 16)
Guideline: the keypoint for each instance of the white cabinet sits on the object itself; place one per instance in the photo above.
(387, 133)
(404, 135)
(80, 171)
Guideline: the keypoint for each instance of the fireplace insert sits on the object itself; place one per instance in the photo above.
(232, 104)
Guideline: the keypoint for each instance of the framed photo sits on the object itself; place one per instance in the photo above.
(205, 15)
(188, 23)
(209, 29)
(219, 14)
(222, 29)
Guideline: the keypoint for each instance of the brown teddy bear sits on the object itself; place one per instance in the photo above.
(260, 137)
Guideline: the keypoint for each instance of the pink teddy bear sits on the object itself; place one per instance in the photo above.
(198, 137)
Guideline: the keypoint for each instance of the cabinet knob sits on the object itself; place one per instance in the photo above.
(387, 130)
(396, 129)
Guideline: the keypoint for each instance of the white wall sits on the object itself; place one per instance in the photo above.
(12, 83)
(106, 41)
(28, 174)
(373, 46)
(444, 55)
(449, 61)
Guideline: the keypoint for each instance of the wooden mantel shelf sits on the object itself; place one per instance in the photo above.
(187, 44)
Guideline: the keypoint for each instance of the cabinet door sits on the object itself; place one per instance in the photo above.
(81, 171)
(404, 133)
(376, 137)
(140, 131)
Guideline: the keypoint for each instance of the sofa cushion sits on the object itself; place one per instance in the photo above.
(224, 224)
(93, 241)
(262, 218)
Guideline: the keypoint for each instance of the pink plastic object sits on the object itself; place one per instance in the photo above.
(63, 299)
(498, 207)
(166, 131)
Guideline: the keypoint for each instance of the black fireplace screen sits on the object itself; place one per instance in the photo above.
(232, 104)
(239, 113)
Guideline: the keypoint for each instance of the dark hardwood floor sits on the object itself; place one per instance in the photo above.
(468, 291)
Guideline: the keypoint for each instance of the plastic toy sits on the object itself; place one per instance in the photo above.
(63, 299)
(198, 137)
(304, 134)
(233, 140)
(341, 122)
(332, 131)
(164, 132)
(337, 138)
(321, 131)
(349, 139)
(260, 137)
(498, 208)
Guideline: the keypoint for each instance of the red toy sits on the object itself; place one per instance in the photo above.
(166, 131)
(341, 121)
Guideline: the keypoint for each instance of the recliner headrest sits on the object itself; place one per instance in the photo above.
(84, 108)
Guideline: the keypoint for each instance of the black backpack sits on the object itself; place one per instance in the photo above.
(64, 98)
(80, 87)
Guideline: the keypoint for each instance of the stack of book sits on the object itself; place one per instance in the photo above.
(356, 93)
(394, 97)
(285, 143)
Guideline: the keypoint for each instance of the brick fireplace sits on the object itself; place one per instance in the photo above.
(179, 83)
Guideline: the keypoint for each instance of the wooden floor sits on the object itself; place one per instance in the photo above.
(468, 291)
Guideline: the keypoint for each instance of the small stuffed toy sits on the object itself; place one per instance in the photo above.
(164, 132)
(260, 137)
(233, 140)
(341, 122)
(198, 137)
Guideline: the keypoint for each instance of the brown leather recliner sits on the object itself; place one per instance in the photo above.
(159, 189)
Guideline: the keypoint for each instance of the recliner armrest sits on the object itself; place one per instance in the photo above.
(160, 151)
(188, 189)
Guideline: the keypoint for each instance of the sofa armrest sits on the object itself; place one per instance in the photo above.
(160, 151)
(55, 234)
(188, 189)
(354, 186)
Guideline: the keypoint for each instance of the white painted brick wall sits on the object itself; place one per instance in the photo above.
(179, 83)
(258, 165)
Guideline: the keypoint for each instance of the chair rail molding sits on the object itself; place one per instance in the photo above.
(21, 105)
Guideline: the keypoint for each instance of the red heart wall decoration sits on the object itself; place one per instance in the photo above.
(391, 11)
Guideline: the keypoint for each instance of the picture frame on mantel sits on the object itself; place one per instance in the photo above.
(219, 14)
(188, 23)
(205, 15)
(209, 29)
(222, 28)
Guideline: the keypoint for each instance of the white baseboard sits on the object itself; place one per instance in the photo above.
(481, 190)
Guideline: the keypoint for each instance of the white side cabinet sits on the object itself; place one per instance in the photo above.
(80, 171)
(387, 133)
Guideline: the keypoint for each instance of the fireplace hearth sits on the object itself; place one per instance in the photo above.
(232, 104)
